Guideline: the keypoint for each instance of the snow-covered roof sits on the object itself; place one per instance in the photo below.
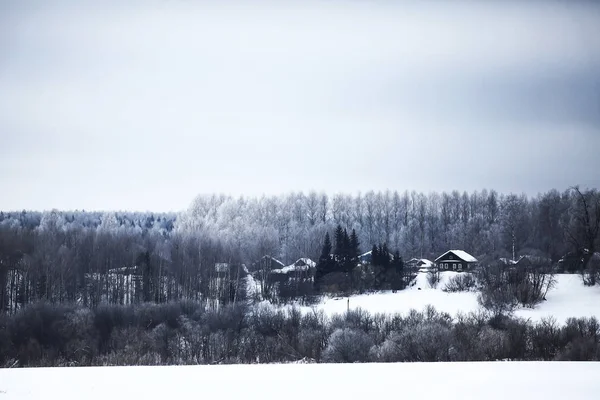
(463, 255)
(368, 253)
(424, 263)
(274, 259)
(305, 261)
(302, 264)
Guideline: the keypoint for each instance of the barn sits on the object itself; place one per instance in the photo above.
(456, 260)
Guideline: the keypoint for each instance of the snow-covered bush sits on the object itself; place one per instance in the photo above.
(348, 346)
(461, 283)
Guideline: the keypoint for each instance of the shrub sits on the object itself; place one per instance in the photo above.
(433, 278)
(580, 349)
(461, 283)
(545, 339)
(428, 341)
(591, 273)
(348, 346)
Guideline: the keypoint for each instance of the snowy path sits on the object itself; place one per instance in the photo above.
(500, 380)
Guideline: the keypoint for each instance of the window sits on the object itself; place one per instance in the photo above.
(460, 267)
(454, 266)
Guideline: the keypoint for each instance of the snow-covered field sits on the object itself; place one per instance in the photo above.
(499, 380)
(570, 298)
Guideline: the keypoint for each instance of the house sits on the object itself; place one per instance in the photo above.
(412, 263)
(456, 260)
(303, 268)
(424, 265)
(507, 261)
(366, 258)
(267, 263)
(527, 261)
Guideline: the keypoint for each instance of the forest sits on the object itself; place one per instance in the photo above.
(131, 288)
(88, 258)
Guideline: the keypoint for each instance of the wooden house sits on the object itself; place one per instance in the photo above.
(456, 260)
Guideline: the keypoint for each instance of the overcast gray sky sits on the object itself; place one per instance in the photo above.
(144, 105)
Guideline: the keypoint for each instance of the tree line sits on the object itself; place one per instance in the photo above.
(189, 333)
(76, 256)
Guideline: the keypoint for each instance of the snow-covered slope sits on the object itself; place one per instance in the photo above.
(417, 296)
(480, 380)
(570, 298)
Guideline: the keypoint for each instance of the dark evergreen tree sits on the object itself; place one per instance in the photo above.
(346, 247)
(326, 264)
(326, 250)
(397, 262)
(354, 246)
(339, 242)
(375, 255)
(384, 255)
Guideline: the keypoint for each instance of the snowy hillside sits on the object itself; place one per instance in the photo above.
(570, 298)
(305, 381)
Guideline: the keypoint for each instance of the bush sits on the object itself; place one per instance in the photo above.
(499, 301)
(433, 278)
(502, 289)
(427, 341)
(580, 349)
(463, 282)
(545, 339)
(591, 273)
(348, 346)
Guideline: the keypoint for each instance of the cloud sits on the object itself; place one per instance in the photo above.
(146, 103)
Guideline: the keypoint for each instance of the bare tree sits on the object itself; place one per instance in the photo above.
(584, 225)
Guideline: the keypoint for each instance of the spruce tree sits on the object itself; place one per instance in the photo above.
(325, 264)
(354, 246)
(398, 269)
(326, 249)
(346, 247)
(374, 255)
(339, 242)
(385, 256)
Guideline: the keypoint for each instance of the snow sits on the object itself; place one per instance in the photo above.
(480, 380)
(459, 253)
(424, 264)
(252, 287)
(306, 264)
(307, 261)
(274, 259)
(405, 300)
(570, 298)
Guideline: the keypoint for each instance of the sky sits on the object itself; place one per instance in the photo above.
(143, 105)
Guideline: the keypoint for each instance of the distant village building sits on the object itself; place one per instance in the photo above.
(456, 260)
(267, 263)
(303, 268)
(367, 257)
(527, 261)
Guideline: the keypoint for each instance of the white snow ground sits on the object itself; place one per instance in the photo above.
(465, 380)
(570, 298)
